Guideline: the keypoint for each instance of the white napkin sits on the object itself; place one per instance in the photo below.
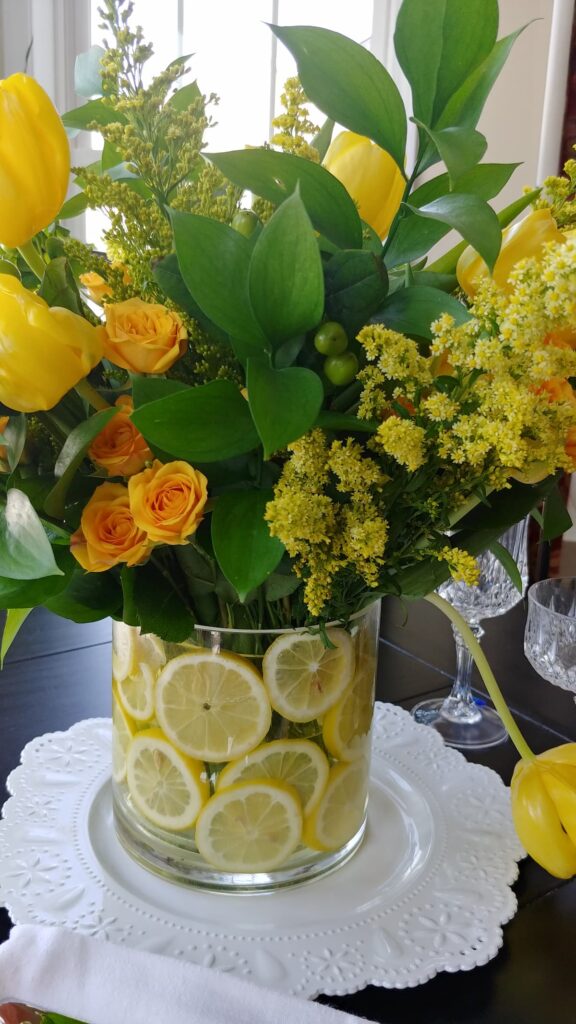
(94, 981)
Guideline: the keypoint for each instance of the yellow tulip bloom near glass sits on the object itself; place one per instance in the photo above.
(44, 351)
(370, 175)
(34, 160)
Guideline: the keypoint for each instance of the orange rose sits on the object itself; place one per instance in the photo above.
(120, 448)
(108, 534)
(557, 389)
(96, 286)
(564, 337)
(167, 501)
(143, 336)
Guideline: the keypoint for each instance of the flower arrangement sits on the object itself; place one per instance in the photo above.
(268, 416)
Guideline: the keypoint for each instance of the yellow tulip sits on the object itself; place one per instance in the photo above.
(44, 351)
(524, 239)
(34, 160)
(370, 175)
(543, 793)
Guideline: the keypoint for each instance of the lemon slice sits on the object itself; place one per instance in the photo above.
(212, 706)
(341, 810)
(300, 763)
(251, 826)
(346, 726)
(151, 650)
(124, 652)
(167, 788)
(303, 677)
(123, 729)
(136, 693)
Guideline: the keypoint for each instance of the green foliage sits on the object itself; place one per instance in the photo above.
(15, 619)
(25, 551)
(284, 403)
(71, 458)
(58, 286)
(349, 85)
(471, 217)
(177, 423)
(275, 176)
(356, 286)
(412, 310)
(246, 552)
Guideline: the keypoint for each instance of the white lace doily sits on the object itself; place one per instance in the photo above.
(428, 890)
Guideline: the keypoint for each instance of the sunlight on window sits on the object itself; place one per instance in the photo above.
(232, 55)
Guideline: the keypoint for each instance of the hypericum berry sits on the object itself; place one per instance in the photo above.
(331, 339)
(342, 369)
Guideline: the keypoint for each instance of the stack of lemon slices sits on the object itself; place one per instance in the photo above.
(197, 744)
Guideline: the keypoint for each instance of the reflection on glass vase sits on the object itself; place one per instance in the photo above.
(460, 718)
(241, 758)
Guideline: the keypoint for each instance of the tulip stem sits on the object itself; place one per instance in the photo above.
(486, 673)
(86, 391)
(30, 253)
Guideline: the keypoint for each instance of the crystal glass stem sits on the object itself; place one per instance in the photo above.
(460, 705)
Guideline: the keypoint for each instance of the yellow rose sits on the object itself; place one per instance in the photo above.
(120, 448)
(96, 286)
(108, 534)
(44, 351)
(143, 336)
(167, 501)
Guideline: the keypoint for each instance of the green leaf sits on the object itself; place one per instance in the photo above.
(214, 261)
(14, 439)
(412, 239)
(74, 206)
(447, 263)
(467, 102)
(159, 608)
(112, 158)
(279, 585)
(29, 593)
(284, 403)
(349, 85)
(323, 138)
(202, 424)
(88, 72)
(472, 218)
(285, 278)
(460, 149)
(25, 551)
(71, 457)
(95, 111)
(149, 389)
(6, 267)
(245, 551)
(556, 516)
(167, 274)
(59, 287)
(274, 176)
(438, 44)
(185, 97)
(508, 564)
(356, 285)
(15, 618)
(88, 597)
(412, 310)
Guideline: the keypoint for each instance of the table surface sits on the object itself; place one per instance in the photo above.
(57, 673)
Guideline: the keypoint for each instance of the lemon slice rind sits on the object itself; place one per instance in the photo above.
(297, 762)
(303, 677)
(167, 787)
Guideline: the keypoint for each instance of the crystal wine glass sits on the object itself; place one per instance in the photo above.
(550, 637)
(459, 718)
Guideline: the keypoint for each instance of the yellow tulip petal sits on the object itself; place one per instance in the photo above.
(538, 824)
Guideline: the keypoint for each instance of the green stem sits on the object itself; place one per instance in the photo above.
(486, 673)
(85, 390)
(30, 253)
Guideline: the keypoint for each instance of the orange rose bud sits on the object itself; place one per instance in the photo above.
(108, 534)
(564, 337)
(557, 389)
(167, 501)
(120, 448)
(144, 337)
(97, 288)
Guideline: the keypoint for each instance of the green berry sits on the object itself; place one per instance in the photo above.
(331, 339)
(245, 222)
(342, 369)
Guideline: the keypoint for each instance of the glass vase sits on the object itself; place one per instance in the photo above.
(241, 758)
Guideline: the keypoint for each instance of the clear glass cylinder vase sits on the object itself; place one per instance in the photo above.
(241, 758)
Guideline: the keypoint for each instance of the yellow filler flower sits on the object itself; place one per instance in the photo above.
(370, 175)
(44, 351)
(522, 240)
(34, 160)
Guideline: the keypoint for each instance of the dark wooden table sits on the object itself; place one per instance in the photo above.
(58, 673)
